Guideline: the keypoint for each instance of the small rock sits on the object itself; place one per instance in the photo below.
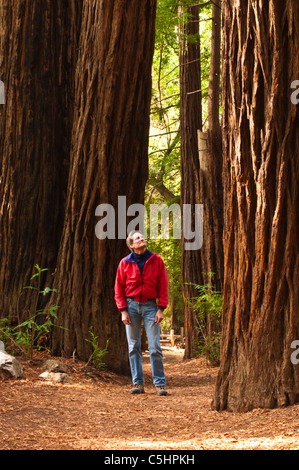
(57, 377)
(54, 365)
(10, 367)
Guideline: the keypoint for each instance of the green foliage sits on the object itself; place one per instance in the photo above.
(166, 24)
(6, 335)
(164, 155)
(25, 336)
(97, 354)
(170, 250)
(165, 136)
(208, 305)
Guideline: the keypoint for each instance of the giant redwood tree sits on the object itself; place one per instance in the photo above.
(190, 121)
(211, 168)
(261, 178)
(201, 161)
(108, 159)
(38, 49)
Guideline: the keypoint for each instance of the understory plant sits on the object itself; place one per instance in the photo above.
(208, 306)
(97, 355)
(25, 336)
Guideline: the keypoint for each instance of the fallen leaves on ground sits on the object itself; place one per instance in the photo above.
(97, 412)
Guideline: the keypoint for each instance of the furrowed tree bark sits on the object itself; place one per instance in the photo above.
(261, 233)
(38, 48)
(211, 161)
(191, 121)
(108, 159)
(211, 177)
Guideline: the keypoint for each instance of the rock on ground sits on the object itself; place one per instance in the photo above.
(57, 377)
(55, 365)
(10, 367)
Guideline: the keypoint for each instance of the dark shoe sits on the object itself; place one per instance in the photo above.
(161, 391)
(137, 389)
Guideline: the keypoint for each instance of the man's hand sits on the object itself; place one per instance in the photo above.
(125, 318)
(159, 316)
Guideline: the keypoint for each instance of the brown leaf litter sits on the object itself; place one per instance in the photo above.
(97, 412)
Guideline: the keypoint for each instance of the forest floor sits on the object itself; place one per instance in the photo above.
(97, 412)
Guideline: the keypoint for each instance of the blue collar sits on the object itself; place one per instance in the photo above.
(130, 257)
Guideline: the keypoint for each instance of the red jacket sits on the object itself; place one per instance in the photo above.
(152, 284)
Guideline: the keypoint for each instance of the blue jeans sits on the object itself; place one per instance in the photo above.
(145, 311)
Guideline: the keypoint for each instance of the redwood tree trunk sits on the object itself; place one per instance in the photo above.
(211, 181)
(261, 145)
(108, 159)
(191, 121)
(211, 175)
(38, 48)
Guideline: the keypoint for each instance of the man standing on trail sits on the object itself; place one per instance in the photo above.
(141, 279)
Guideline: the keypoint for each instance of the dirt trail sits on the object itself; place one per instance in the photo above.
(98, 412)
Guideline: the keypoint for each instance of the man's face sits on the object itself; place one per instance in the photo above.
(139, 242)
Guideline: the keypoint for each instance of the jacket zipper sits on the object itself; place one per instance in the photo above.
(142, 282)
(142, 278)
